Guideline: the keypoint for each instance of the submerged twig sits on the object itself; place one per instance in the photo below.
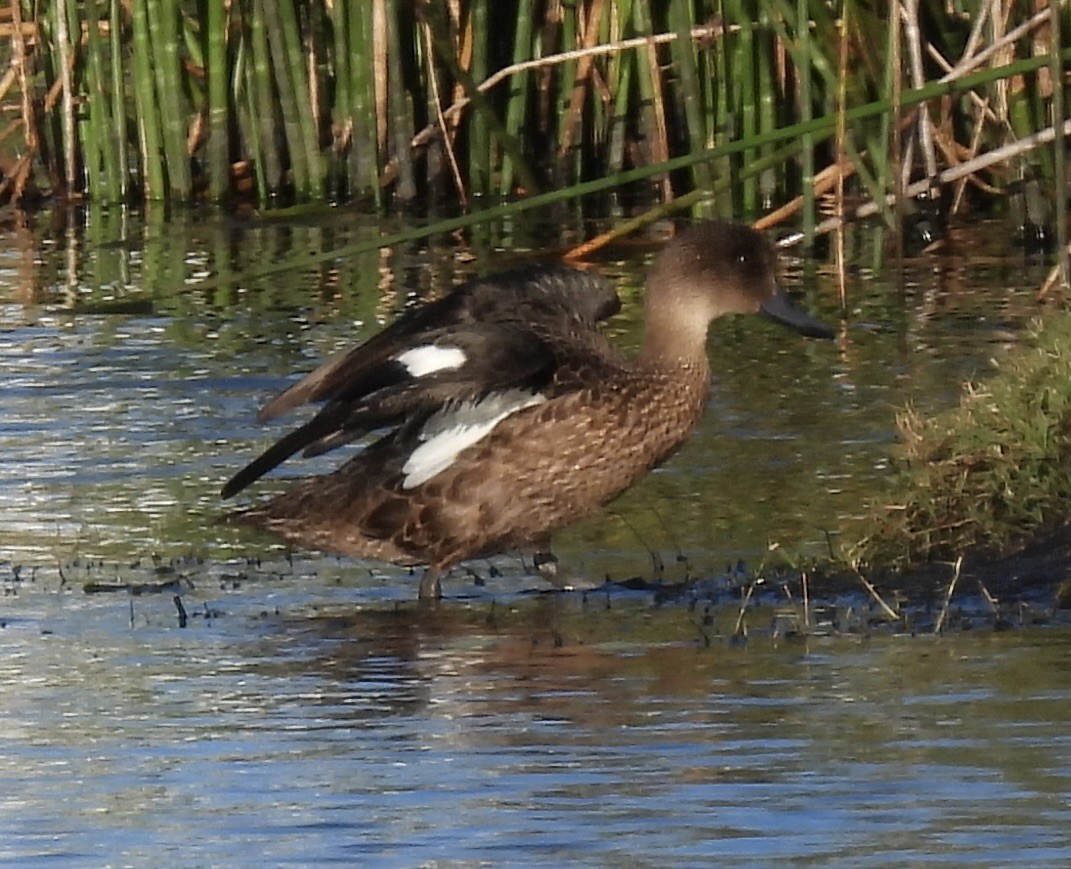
(738, 628)
(989, 599)
(1051, 279)
(869, 586)
(948, 596)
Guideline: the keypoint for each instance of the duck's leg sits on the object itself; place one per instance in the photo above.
(430, 585)
(549, 568)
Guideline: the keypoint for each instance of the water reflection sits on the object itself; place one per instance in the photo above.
(311, 713)
(546, 732)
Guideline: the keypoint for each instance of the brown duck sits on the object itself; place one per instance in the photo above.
(508, 413)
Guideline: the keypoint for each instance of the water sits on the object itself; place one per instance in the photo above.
(550, 734)
(310, 712)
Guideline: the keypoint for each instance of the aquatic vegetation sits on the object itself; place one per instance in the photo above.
(992, 472)
(740, 106)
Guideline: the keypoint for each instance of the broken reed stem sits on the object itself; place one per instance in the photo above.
(447, 138)
(29, 117)
(989, 599)
(948, 596)
(913, 37)
(869, 586)
(738, 628)
(953, 173)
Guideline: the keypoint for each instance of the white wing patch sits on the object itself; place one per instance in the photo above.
(427, 359)
(447, 432)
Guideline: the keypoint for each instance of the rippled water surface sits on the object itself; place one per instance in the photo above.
(547, 733)
(309, 712)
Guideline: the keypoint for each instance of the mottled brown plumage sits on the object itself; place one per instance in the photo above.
(581, 423)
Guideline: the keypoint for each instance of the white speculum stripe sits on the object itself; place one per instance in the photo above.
(451, 430)
(427, 359)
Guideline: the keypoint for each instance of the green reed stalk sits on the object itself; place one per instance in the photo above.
(875, 137)
(303, 94)
(287, 91)
(817, 17)
(517, 102)
(217, 148)
(803, 63)
(622, 80)
(100, 159)
(249, 120)
(652, 119)
(119, 142)
(163, 34)
(767, 119)
(1056, 75)
(595, 140)
(567, 167)
(479, 140)
(148, 118)
(269, 160)
(884, 149)
(723, 59)
(363, 180)
(341, 113)
(683, 53)
(749, 102)
(401, 115)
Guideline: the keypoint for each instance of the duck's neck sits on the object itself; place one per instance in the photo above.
(674, 343)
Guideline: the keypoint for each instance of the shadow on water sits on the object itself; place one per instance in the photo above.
(311, 712)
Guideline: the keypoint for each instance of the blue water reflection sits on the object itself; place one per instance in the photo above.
(537, 736)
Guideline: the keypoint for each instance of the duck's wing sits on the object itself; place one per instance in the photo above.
(531, 296)
(350, 368)
(456, 366)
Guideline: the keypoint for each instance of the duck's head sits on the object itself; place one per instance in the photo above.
(712, 269)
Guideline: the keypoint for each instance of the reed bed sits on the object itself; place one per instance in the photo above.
(721, 106)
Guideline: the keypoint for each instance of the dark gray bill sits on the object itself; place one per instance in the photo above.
(779, 308)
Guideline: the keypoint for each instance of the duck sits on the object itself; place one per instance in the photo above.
(502, 413)
(479, 339)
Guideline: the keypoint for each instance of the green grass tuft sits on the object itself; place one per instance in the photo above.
(989, 473)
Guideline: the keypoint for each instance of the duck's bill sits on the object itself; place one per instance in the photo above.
(779, 308)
